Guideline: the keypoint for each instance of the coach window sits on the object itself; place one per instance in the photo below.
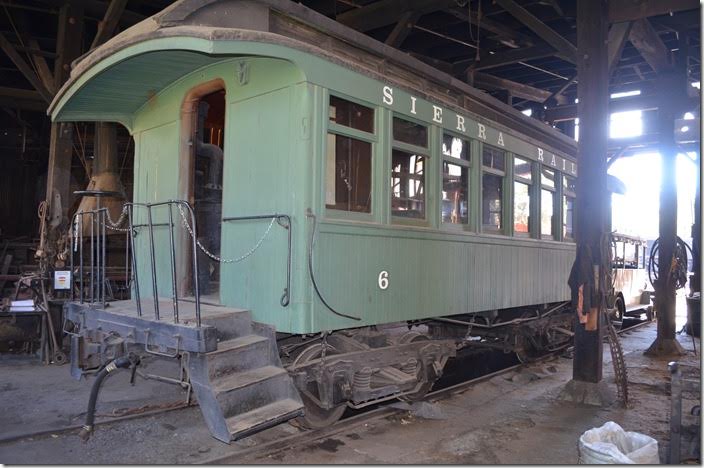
(493, 172)
(408, 163)
(547, 203)
(523, 179)
(569, 190)
(455, 180)
(348, 177)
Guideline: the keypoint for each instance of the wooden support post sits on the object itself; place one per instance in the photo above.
(588, 278)
(673, 84)
(592, 196)
(69, 39)
(58, 196)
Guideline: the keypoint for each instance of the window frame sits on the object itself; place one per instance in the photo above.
(531, 195)
(333, 128)
(505, 195)
(555, 213)
(425, 152)
(566, 193)
(464, 163)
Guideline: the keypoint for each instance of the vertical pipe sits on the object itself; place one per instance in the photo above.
(73, 246)
(80, 255)
(103, 262)
(134, 261)
(127, 254)
(92, 257)
(174, 292)
(152, 254)
(194, 247)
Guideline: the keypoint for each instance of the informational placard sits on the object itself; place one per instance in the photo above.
(62, 280)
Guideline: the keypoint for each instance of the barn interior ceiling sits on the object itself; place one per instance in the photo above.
(523, 52)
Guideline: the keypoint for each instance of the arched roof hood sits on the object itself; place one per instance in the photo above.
(200, 25)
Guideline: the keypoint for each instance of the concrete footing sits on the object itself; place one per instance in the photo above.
(588, 393)
(665, 347)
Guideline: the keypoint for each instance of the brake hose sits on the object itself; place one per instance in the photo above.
(311, 244)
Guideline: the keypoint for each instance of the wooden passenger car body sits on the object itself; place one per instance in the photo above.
(279, 63)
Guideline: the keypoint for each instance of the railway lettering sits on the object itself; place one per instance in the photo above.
(437, 114)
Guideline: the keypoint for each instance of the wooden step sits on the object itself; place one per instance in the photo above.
(246, 424)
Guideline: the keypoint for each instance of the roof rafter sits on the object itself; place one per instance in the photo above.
(646, 40)
(541, 29)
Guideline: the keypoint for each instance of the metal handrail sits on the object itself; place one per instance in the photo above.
(172, 244)
(286, 296)
(99, 218)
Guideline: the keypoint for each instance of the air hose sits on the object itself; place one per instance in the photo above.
(311, 244)
(123, 362)
(678, 268)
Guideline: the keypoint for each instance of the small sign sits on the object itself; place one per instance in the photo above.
(62, 280)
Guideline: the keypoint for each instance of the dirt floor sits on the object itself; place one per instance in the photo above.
(512, 418)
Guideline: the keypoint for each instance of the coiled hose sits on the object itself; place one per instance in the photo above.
(123, 362)
(678, 269)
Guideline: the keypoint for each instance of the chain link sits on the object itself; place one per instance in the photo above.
(114, 226)
(215, 257)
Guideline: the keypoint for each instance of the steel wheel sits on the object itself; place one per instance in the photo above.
(316, 417)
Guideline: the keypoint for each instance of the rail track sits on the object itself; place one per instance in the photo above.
(309, 436)
(380, 412)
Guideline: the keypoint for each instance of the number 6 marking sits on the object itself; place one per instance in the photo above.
(383, 279)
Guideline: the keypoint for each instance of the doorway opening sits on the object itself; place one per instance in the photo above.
(207, 188)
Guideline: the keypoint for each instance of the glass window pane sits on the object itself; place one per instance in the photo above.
(407, 184)
(492, 191)
(455, 147)
(350, 114)
(409, 132)
(569, 183)
(521, 207)
(630, 257)
(454, 194)
(547, 177)
(348, 184)
(522, 168)
(568, 217)
(494, 158)
(546, 213)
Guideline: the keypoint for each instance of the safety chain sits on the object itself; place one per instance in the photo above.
(114, 225)
(215, 257)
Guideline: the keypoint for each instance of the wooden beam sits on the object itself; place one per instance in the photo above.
(646, 102)
(631, 10)
(68, 40)
(541, 29)
(556, 97)
(97, 8)
(500, 58)
(651, 48)
(42, 67)
(385, 12)
(618, 33)
(106, 27)
(511, 37)
(519, 90)
(402, 29)
(25, 69)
